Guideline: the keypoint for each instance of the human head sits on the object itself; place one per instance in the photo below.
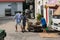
(41, 15)
(19, 12)
(23, 13)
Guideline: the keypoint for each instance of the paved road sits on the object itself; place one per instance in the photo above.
(8, 26)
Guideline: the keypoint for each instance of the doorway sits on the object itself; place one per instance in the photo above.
(50, 16)
(30, 5)
(7, 12)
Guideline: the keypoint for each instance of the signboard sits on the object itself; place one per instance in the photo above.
(52, 1)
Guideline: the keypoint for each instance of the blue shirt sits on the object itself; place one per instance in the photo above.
(43, 21)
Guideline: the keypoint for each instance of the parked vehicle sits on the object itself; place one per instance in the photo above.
(56, 22)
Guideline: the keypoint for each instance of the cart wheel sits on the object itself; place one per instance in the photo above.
(29, 30)
(35, 30)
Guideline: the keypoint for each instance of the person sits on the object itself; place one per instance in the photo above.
(17, 18)
(44, 24)
(27, 13)
(24, 22)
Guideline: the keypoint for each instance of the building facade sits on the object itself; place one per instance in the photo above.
(47, 8)
(8, 7)
(30, 5)
(39, 7)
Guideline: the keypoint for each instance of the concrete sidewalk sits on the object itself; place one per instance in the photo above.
(9, 27)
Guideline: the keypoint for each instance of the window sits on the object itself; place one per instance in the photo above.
(7, 12)
(29, 1)
(9, 5)
(54, 10)
(50, 11)
(56, 16)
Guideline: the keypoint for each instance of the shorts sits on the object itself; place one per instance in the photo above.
(24, 23)
(19, 23)
(44, 26)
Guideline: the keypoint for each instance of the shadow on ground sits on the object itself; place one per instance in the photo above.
(5, 20)
(49, 31)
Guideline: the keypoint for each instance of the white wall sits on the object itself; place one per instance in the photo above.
(2, 8)
(19, 6)
(13, 8)
(37, 7)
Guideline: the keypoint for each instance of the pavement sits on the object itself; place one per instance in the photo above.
(9, 26)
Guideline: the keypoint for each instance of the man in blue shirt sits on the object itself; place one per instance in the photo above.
(43, 22)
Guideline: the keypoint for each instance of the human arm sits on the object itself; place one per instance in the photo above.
(15, 16)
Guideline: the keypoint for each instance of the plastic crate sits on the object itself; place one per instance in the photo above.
(2, 34)
(47, 28)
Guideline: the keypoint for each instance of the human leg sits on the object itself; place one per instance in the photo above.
(23, 28)
(16, 27)
(44, 30)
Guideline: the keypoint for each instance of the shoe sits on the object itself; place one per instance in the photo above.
(22, 31)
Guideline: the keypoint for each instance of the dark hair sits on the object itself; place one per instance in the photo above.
(23, 13)
(19, 11)
(41, 15)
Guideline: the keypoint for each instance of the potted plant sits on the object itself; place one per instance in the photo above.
(39, 16)
(38, 19)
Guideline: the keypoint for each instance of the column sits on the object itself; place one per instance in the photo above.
(47, 15)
